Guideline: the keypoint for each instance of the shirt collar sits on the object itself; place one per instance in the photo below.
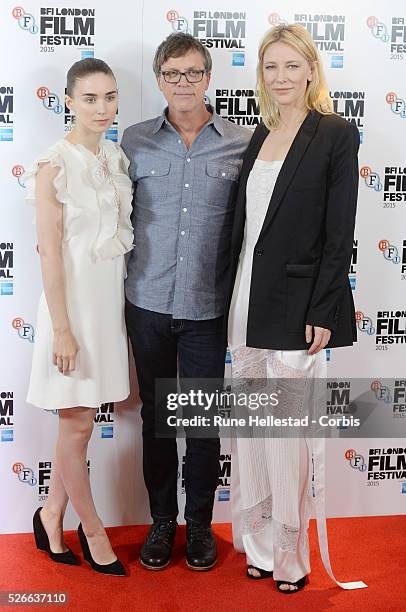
(214, 120)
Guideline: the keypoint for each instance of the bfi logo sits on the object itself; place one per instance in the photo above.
(49, 100)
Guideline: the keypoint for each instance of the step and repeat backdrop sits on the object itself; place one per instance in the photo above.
(363, 49)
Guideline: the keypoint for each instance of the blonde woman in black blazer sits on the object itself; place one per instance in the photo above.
(290, 296)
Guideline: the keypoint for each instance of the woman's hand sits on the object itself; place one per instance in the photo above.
(64, 351)
(319, 335)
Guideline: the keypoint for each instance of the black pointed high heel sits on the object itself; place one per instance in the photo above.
(114, 569)
(42, 542)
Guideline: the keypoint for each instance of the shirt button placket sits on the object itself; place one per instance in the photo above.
(187, 193)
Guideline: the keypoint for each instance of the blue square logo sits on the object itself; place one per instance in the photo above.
(403, 487)
(328, 354)
(224, 495)
(106, 431)
(238, 59)
(6, 134)
(6, 289)
(353, 282)
(7, 435)
(87, 53)
(112, 134)
(361, 136)
(337, 61)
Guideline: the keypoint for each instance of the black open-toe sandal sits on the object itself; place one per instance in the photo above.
(262, 573)
(299, 585)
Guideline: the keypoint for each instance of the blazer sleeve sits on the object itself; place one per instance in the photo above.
(341, 204)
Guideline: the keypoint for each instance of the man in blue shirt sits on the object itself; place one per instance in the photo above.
(185, 166)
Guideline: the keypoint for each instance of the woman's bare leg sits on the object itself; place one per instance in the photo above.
(75, 429)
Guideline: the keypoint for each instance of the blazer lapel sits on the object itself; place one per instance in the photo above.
(292, 160)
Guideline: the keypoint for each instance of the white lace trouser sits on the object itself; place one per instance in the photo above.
(269, 547)
(263, 549)
(260, 549)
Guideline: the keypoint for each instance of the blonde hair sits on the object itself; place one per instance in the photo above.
(316, 96)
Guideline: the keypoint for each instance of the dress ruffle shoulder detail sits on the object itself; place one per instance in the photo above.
(52, 156)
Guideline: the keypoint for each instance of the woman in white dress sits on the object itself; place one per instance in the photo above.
(291, 250)
(83, 197)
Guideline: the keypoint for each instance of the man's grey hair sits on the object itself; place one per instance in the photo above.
(176, 45)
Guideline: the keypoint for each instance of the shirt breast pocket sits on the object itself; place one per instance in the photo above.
(221, 182)
(152, 179)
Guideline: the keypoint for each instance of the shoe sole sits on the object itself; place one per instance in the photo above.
(196, 568)
(154, 568)
(40, 548)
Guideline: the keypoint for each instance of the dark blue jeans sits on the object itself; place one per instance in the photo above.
(162, 346)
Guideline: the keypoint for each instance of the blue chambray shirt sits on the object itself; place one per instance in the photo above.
(183, 211)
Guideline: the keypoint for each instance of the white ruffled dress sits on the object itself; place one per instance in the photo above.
(96, 195)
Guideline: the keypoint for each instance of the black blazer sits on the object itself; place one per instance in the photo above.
(303, 253)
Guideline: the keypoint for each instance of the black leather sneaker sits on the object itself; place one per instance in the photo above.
(201, 552)
(156, 551)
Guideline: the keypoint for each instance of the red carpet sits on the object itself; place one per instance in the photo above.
(369, 549)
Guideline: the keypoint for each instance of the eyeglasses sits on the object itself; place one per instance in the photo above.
(174, 76)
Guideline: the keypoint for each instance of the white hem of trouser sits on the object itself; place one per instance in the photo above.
(317, 446)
